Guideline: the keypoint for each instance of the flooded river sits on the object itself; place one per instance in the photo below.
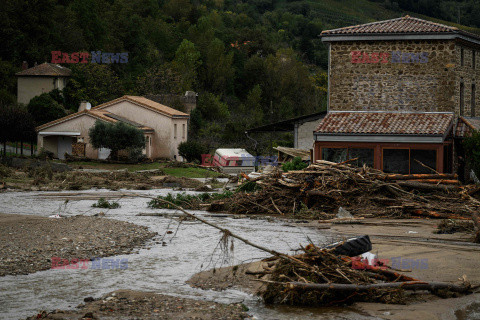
(162, 268)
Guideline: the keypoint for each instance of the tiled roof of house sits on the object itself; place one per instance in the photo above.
(466, 125)
(97, 114)
(146, 103)
(46, 70)
(385, 123)
(403, 25)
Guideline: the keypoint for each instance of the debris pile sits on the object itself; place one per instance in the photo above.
(325, 186)
(318, 277)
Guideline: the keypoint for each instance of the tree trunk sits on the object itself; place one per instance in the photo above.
(21, 147)
(413, 285)
(31, 148)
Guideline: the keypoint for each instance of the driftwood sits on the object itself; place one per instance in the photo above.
(420, 176)
(414, 285)
(428, 187)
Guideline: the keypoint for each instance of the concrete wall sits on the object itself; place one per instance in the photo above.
(29, 87)
(79, 124)
(304, 134)
(164, 144)
(378, 83)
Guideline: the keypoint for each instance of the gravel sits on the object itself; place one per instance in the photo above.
(28, 243)
(128, 304)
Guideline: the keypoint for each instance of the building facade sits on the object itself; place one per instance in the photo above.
(396, 90)
(164, 128)
(39, 79)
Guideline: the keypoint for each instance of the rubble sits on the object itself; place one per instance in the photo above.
(325, 186)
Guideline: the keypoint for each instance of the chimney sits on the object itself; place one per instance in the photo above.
(24, 65)
(83, 106)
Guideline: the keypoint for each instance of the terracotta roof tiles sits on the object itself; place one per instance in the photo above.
(403, 25)
(46, 70)
(385, 123)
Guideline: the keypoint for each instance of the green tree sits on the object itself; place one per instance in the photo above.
(16, 124)
(187, 60)
(44, 108)
(191, 150)
(92, 82)
(116, 137)
(212, 108)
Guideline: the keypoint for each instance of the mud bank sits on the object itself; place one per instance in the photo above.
(446, 258)
(28, 243)
(128, 304)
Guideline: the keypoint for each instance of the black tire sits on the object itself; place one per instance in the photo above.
(352, 247)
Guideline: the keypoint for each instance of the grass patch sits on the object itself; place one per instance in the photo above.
(105, 204)
(187, 201)
(187, 172)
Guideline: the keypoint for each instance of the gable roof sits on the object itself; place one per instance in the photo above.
(97, 114)
(146, 103)
(46, 70)
(385, 123)
(399, 26)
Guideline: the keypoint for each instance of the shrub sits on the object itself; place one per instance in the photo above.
(472, 151)
(191, 150)
(295, 164)
(105, 204)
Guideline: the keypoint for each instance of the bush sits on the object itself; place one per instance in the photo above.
(5, 171)
(191, 150)
(472, 151)
(105, 204)
(295, 164)
(116, 137)
(44, 154)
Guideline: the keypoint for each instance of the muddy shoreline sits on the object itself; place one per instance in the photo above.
(128, 304)
(32, 243)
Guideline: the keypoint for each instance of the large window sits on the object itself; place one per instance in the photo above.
(361, 155)
(396, 161)
(409, 161)
(423, 161)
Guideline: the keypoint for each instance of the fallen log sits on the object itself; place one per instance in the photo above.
(437, 181)
(420, 176)
(428, 187)
(413, 285)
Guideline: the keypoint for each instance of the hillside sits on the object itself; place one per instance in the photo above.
(252, 62)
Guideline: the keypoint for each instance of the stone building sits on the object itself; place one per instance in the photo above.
(396, 90)
(42, 78)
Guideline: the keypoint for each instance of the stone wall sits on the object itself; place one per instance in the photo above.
(469, 74)
(393, 75)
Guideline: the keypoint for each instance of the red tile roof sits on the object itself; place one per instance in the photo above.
(403, 25)
(147, 103)
(385, 123)
(46, 69)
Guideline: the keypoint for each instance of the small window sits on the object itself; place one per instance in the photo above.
(183, 131)
(175, 131)
(462, 97)
(363, 156)
(396, 161)
(461, 57)
(334, 154)
(474, 92)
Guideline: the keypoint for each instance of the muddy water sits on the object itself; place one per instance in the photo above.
(160, 268)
